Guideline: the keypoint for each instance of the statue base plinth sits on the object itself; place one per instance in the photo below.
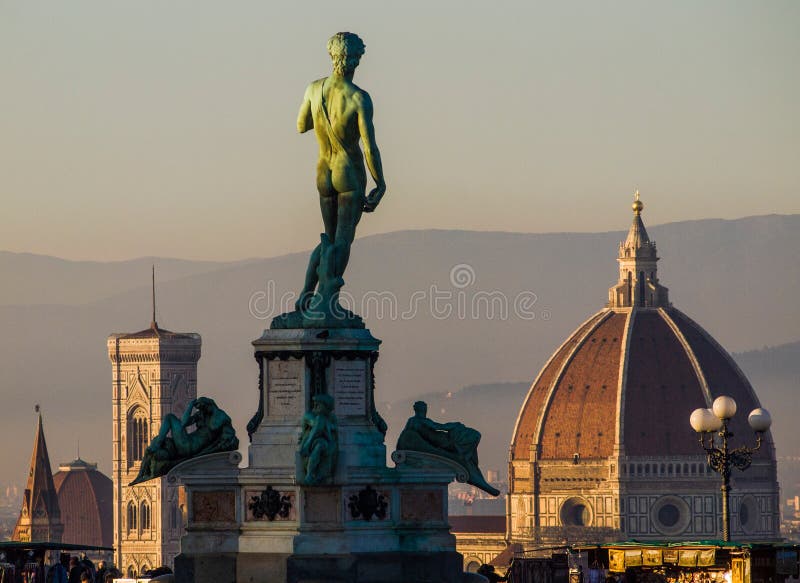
(366, 524)
(317, 320)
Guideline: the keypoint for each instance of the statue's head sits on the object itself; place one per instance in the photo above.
(205, 405)
(421, 408)
(345, 49)
(323, 404)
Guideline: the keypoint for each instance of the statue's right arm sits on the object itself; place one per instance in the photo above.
(305, 121)
(371, 152)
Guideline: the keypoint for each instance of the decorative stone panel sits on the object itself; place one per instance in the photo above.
(214, 506)
(421, 505)
(322, 505)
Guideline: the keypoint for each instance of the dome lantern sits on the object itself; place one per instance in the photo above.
(638, 283)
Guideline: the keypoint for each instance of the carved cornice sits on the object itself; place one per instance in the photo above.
(333, 354)
(190, 356)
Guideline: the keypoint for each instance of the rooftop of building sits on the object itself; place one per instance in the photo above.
(478, 524)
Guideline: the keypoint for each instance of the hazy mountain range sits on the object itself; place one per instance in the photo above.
(739, 279)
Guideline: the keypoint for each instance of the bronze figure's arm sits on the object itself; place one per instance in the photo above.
(371, 152)
(305, 121)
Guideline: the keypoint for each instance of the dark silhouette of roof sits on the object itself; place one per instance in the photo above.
(153, 331)
(484, 524)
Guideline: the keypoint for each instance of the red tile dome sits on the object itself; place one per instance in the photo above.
(85, 497)
(629, 378)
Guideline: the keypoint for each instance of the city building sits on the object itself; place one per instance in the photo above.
(40, 516)
(85, 497)
(479, 539)
(602, 447)
(154, 372)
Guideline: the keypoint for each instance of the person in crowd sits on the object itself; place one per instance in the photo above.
(59, 572)
(75, 571)
(87, 565)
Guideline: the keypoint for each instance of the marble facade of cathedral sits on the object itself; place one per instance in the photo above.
(602, 447)
(154, 372)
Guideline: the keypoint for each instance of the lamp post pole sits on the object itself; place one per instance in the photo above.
(721, 458)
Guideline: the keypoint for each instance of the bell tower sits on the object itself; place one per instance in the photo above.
(154, 372)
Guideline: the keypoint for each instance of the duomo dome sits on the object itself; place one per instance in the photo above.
(602, 447)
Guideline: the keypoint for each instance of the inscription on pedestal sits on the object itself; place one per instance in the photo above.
(350, 387)
(285, 388)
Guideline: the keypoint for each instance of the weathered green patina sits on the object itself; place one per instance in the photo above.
(454, 441)
(213, 433)
(340, 113)
(319, 442)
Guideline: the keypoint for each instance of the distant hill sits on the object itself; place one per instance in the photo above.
(738, 278)
(30, 279)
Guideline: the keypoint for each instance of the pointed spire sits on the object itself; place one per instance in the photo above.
(637, 235)
(153, 323)
(40, 516)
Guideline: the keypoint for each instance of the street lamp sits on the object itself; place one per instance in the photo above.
(720, 458)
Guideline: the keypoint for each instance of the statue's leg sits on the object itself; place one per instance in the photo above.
(350, 207)
(328, 205)
(318, 451)
(311, 280)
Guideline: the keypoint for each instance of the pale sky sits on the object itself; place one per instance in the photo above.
(168, 127)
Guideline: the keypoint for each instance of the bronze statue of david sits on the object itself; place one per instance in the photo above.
(340, 113)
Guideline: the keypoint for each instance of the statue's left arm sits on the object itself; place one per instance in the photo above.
(371, 152)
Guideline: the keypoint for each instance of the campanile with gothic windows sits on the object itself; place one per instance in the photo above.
(154, 372)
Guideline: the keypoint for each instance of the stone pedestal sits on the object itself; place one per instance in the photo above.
(369, 524)
(294, 366)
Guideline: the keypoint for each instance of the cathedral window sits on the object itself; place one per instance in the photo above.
(138, 435)
(132, 517)
(145, 519)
